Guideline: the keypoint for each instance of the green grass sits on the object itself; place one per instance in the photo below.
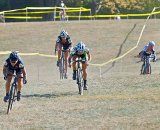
(120, 99)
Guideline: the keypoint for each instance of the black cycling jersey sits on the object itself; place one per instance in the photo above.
(18, 67)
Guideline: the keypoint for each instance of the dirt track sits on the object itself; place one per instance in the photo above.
(120, 99)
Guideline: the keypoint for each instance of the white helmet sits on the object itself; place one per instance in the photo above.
(80, 47)
(63, 34)
(151, 43)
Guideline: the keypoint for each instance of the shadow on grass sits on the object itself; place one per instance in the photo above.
(49, 95)
(120, 49)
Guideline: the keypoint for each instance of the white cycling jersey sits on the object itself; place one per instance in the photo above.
(145, 48)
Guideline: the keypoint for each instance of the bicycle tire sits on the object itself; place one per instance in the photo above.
(11, 98)
(80, 82)
(61, 68)
(14, 92)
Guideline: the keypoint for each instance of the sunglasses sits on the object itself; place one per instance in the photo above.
(13, 62)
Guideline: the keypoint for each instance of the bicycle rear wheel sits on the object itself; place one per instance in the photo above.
(11, 98)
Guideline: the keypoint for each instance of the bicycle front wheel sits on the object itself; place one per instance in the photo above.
(11, 98)
(61, 68)
(80, 81)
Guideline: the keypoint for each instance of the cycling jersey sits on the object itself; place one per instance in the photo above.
(147, 51)
(65, 45)
(74, 52)
(18, 67)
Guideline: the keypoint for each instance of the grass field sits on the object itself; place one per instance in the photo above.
(119, 98)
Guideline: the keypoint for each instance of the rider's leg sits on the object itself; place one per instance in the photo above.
(59, 53)
(7, 86)
(84, 69)
(74, 67)
(8, 83)
(66, 59)
(66, 62)
(148, 62)
(141, 54)
(19, 85)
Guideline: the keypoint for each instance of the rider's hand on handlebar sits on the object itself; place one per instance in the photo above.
(87, 63)
(5, 78)
(24, 81)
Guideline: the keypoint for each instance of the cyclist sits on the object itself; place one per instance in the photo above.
(148, 50)
(80, 50)
(14, 64)
(62, 13)
(63, 41)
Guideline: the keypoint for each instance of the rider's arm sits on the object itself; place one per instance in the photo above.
(154, 58)
(89, 56)
(69, 42)
(69, 59)
(153, 50)
(57, 42)
(55, 49)
(5, 69)
(24, 72)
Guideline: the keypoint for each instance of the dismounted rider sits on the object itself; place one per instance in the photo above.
(63, 6)
(14, 64)
(63, 41)
(147, 50)
(80, 50)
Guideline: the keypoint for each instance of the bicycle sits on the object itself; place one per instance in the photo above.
(12, 94)
(62, 65)
(79, 76)
(146, 66)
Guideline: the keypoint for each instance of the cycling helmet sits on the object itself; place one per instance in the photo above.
(151, 43)
(63, 34)
(80, 47)
(13, 56)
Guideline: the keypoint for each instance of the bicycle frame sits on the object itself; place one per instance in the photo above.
(79, 76)
(12, 92)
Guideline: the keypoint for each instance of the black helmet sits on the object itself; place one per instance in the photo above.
(13, 56)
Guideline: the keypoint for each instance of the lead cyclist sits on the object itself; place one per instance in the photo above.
(80, 50)
(13, 64)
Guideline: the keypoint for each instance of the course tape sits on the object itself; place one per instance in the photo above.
(45, 12)
(21, 17)
(28, 17)
(36, 54)
(78, 9)
(28, 54)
